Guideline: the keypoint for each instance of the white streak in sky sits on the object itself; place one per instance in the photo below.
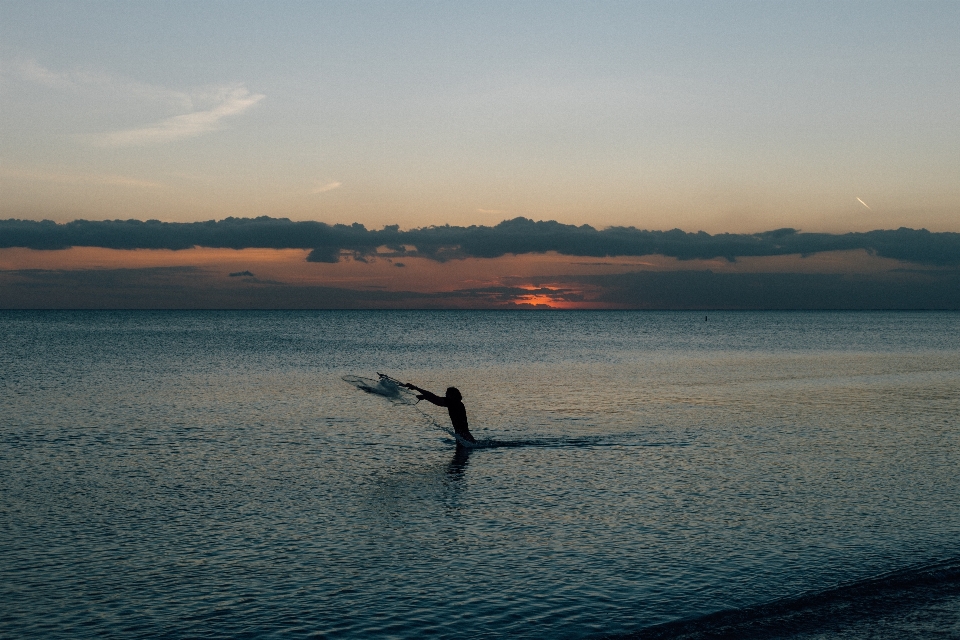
(327, 187)
(95, 84)
(864, 204)
(232, 102)
(199, 111)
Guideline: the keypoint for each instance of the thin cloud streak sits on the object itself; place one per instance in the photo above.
(79, 80)
(327, 187)
(187, 125)
(205, 108)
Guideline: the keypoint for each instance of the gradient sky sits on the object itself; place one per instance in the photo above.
(720, 116)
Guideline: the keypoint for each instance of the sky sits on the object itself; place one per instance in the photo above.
(723, 117)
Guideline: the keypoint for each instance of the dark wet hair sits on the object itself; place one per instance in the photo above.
(454, 393)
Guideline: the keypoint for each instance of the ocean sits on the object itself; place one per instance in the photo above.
(209, 474)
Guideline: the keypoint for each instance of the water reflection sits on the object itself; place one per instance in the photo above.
(410, 490)
(458, 464)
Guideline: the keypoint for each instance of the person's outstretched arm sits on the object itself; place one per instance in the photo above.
(429, 397)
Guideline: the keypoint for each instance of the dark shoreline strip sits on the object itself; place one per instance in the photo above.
(845, 607)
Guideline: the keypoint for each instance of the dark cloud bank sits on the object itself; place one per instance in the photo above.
(517, 236)
(932, 282)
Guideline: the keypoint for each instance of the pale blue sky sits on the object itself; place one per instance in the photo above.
(732, 116)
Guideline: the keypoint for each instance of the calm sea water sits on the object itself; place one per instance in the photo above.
(209, 474)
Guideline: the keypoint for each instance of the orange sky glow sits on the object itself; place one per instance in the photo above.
(546, 280)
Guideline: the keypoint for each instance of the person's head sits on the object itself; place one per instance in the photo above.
(453, 392)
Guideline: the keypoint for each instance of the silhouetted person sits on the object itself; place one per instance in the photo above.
(453, 401)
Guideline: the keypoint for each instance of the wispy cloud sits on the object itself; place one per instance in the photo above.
(233, 102)
(498, 211)
(104, 85)
(330, 186)
(195, 112)
(33, 72)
